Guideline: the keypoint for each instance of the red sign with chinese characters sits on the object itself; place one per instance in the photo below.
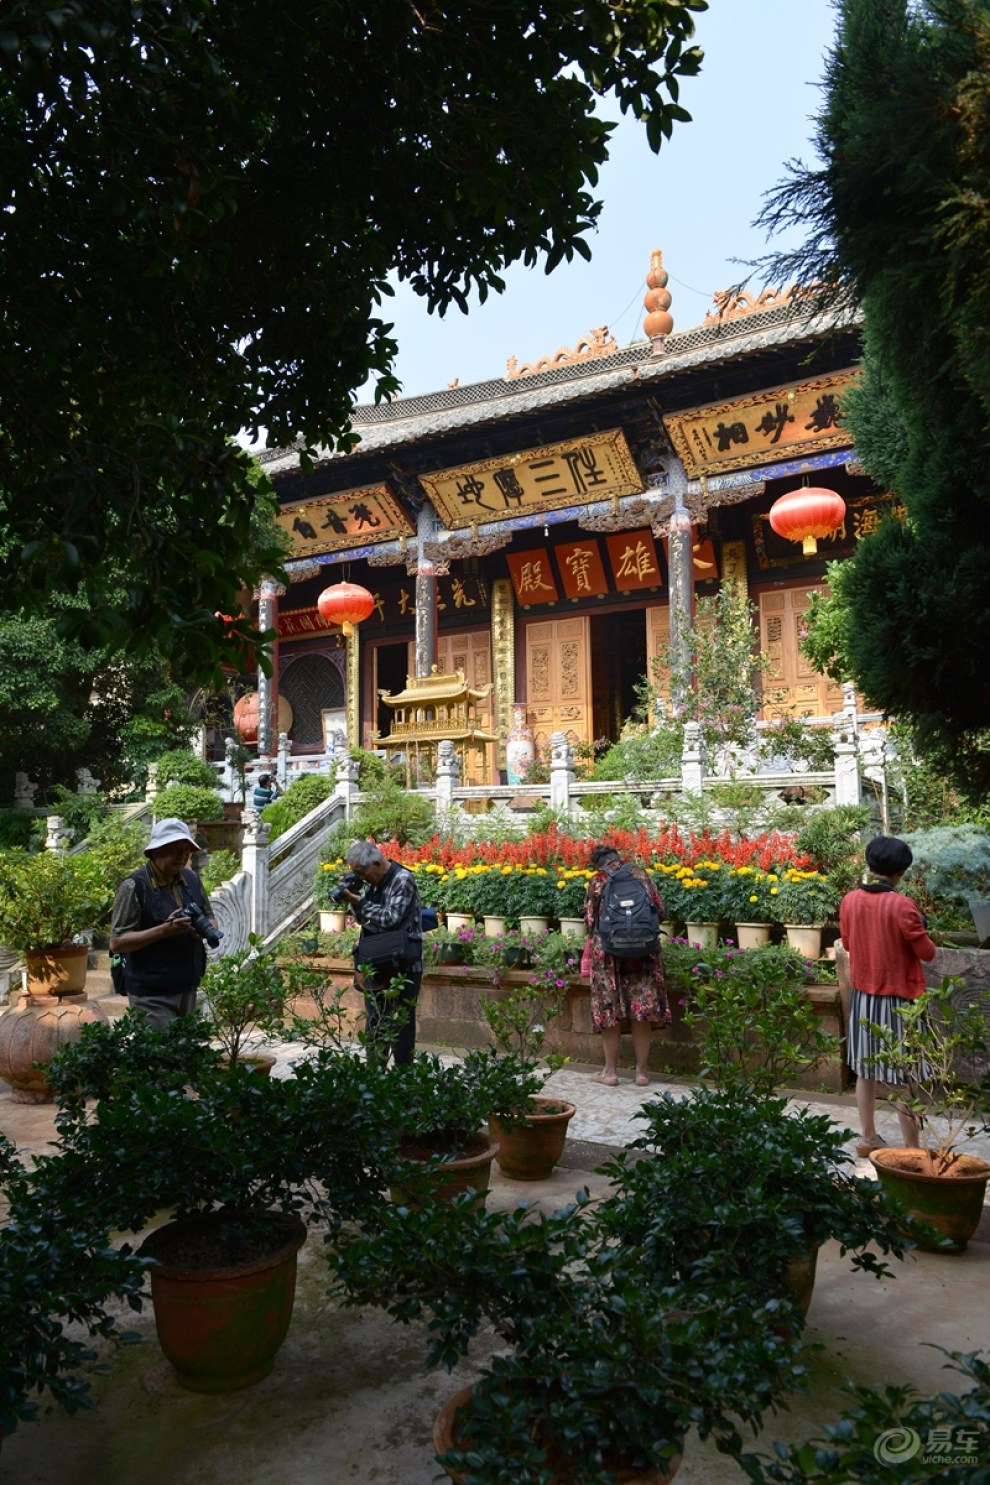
(532, 577)
(633, 555)
(581, 570)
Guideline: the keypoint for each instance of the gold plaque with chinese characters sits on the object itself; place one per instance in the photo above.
(351, 518)
(579, 472)
(790, 420)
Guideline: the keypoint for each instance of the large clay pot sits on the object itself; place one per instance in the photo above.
(952, 1203)
(34, 1032)
(447, 1436)
(246, 717)
(470, 1171)
(57, 970)
(220, 1322)
(530, 1147)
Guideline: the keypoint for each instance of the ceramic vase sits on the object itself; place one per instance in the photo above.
(520, 750)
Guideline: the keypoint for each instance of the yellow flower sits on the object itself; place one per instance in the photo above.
(754, 898)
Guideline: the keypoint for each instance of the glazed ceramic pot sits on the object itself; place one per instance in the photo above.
(520, 750)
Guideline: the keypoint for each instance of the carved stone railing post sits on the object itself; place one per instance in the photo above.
(151, 787)
(692, 760)
(561, 772)
(57, 836)
(346, 771)
(282, 766)
(447, 779)
(848, 784)
(254, 860)
(24, 792)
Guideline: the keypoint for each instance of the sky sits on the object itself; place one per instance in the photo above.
(752, 110)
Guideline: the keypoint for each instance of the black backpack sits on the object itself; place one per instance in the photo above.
(628, 921)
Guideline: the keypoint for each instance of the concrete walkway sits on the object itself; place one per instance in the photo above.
(349, 1402)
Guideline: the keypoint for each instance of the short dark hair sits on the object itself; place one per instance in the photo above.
(887, 856)
(264, 778)
(601, 854)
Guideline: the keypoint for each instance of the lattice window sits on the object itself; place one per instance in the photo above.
(311, 684)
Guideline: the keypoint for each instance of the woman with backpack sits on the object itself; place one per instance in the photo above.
(623, 910)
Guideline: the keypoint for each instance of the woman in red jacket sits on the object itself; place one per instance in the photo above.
(884, 936)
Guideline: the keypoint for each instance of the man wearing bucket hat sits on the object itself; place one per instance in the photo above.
(154, 927)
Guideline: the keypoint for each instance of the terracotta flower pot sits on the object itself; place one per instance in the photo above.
(57, 970)
(470, 1171)
(32, 1033)
(530, 1147)
(220, 1322)
(952, 1203)
(446, 1436)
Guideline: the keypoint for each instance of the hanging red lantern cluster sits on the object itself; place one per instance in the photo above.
(807, 514)
(345, 604)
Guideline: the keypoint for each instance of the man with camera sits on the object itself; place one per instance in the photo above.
(161, 918)
(389, 954)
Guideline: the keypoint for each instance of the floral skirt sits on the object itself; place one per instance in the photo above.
(626, 990)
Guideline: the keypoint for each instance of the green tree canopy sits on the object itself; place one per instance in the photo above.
(899, 214)
(199, 207)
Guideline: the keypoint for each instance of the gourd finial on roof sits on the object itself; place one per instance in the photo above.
(658, 322)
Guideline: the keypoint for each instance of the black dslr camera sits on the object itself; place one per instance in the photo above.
(349, 882)
(202, 924)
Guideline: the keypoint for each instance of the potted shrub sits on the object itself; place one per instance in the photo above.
(602, 1368)
(251, 990)
(333, 912)
(531, 1140)
(437, 1111)
(570, 890)
(804, 900)
(942, 1058)
(189, 790)
(47, 903)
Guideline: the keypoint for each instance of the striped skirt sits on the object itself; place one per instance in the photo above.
(863, 1046)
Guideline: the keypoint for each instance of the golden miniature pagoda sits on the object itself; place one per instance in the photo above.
(430, 709)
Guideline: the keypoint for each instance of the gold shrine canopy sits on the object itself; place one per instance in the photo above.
(435, 707)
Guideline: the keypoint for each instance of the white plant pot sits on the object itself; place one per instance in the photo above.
(459, 920)
(752, 935)
(702, 935)
(534, 925)
(573, 928)
(804, 940)
(980, 908)
(494, 926)
(332, 922)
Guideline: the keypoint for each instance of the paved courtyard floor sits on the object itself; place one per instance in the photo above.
(350, 1403)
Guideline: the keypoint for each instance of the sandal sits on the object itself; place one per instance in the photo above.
(866, 1145)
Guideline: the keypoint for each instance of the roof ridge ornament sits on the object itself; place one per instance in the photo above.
(658, 322)
(597, 342)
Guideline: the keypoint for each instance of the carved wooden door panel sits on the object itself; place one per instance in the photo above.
(558, 680)
(791, 687)
(471, 651)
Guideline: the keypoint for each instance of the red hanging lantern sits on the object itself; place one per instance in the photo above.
(806, 514)
(345, 604)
